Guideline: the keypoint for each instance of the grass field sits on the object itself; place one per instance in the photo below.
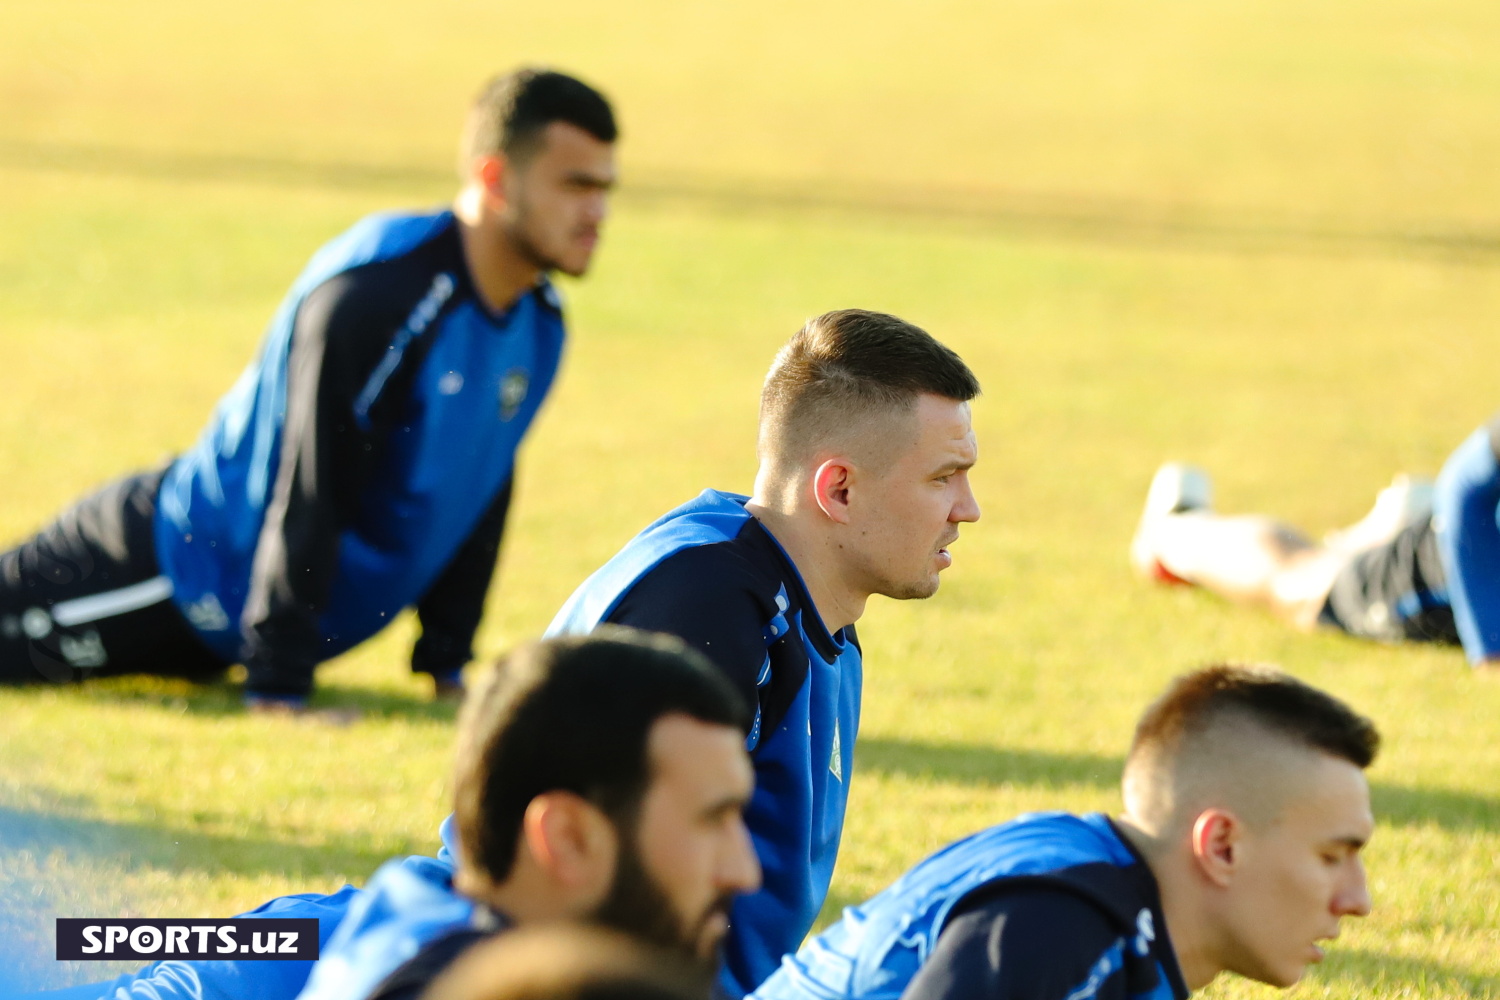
(1264, 236)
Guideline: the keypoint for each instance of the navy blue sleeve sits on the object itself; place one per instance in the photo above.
(713, 600)
(451, 608)
(1466, 505)
(1027, 944)
(341, 334)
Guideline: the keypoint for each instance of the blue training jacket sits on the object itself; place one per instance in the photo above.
(709, 572)
(877, 948)
(470, 383)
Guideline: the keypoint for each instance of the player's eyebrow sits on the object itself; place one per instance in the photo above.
(952, 467)
(730, 803)
(582, 178)
(1352, 842)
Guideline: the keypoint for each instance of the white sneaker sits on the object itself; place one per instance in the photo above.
(1402, 503)
(1175, 488)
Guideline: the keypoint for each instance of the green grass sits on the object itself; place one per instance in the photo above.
(1255, 235)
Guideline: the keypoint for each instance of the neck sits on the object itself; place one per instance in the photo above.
(523, 899)
(1189, 925)
(499, 271)
(816, 559)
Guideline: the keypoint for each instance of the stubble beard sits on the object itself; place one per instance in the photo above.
(518, 232)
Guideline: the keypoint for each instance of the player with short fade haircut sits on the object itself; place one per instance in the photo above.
(1240, 733)
(848, 376)
(363, 463)
(1238, 850)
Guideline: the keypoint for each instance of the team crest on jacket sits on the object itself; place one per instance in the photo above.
(513, 392)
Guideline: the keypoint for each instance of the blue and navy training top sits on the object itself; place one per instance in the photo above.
(710, 573)
(362, 463)
(1049, 906)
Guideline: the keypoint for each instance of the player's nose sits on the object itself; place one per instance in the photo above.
(596, 209)
(966, 507)
(740, 871)
(1353, 899)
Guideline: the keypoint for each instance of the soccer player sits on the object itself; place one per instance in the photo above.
(363, 462)
(865, 446)
(599, 778)
(1423, 566)
(1245, 810)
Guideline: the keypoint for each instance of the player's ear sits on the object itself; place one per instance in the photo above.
(1216, 845)
(490, 171)
(831, 489)
(572, 841)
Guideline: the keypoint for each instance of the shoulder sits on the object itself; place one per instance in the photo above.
(1037, 942)
(716, 595)
(385, 283)
(410, 979)
(385, 236)
(712, 570)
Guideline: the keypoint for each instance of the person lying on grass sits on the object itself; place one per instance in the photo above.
(1422, 566)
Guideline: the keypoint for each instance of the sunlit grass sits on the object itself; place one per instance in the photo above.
(157, 199)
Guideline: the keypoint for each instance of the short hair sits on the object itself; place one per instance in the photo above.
(568, 962)
(844, 367)
(512, 111)
(571, 714)
(1262, 696)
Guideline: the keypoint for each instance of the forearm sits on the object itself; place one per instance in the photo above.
(451, 609)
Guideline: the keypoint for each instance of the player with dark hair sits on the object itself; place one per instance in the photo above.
(363, 462)
(865, 446)
(563, 962)
(1245, 811)
(601, 778)
(1422, 566)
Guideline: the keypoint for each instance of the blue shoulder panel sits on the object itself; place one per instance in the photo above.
(712, 516)
(878, 946)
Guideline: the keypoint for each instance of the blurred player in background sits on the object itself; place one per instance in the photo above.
(1423, 565)
(1246, 808)
(363, 462)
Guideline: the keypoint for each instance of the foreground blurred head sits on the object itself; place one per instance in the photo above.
(866, 441)
(537, 156)
(605, 778)
(1246, 789)
(569, 962)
